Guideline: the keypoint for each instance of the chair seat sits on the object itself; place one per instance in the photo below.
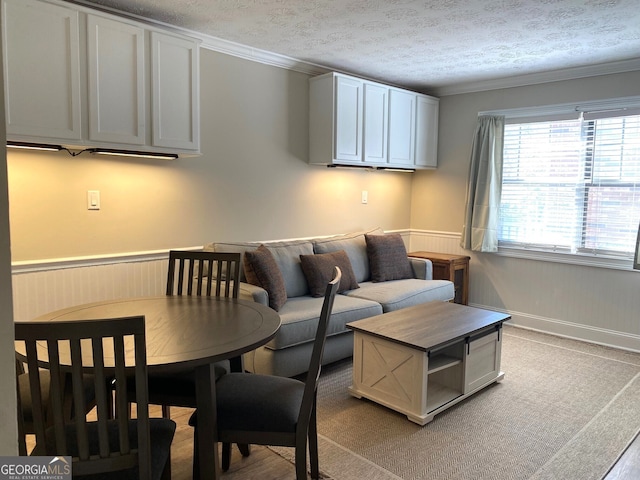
(255, 402)
(161, 432)
(45, 379)
(25, 396)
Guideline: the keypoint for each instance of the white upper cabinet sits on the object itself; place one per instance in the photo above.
(427, 132)
(376, 123)
(41, 51)
(358, 122)
(402, 127)
(174, 88)
(86, 79)
(348, 119)
(115, 52)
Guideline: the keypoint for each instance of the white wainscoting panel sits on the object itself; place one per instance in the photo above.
(36, 292)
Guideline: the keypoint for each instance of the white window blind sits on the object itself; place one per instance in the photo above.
(572, 186)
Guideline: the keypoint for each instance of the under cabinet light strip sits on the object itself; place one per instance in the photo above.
(124, 153)
(99, 151)
(34, 146)
(370, 168)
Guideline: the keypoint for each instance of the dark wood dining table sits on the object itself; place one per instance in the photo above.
(190, 332)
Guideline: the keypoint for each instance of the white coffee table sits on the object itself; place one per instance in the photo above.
(422, 360)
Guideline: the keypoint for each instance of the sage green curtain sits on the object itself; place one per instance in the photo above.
(480, 229)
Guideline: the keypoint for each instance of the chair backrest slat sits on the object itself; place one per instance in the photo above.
(73, 350)
(121, 379)
(102, 404)
(204, 273)
(315, 365)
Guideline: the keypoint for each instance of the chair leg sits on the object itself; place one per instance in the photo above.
(196, 455)
(166, 411)
(245, 449)
(301, 458)
(313, 445)
(226, 456)
(166, 471)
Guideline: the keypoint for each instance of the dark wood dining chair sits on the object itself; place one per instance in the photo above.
(45, 379)
(107, 448)
(272, 410)
(204, 274)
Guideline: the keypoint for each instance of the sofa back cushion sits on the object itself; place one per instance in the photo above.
(356, 248)
(237, 247)
(286, 255)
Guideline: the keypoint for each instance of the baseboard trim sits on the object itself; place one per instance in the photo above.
(574, 331)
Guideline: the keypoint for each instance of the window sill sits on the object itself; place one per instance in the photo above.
(599, 261)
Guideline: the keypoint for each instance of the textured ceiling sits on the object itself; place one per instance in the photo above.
(423, 44)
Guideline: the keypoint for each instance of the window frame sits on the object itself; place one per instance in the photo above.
(591, 110)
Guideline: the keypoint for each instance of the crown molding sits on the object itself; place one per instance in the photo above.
(261, 56)
(541, 77)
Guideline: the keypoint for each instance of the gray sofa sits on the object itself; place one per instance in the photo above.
(288, 353)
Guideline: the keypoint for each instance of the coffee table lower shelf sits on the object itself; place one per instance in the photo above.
(440, 399)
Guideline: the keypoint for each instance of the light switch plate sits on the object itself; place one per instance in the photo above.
(93, 199)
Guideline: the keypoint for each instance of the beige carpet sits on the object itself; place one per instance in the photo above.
(565, 410)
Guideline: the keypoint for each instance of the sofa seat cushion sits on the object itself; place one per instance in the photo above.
(397, 294)
(299, 318)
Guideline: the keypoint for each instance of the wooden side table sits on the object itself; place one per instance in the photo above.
(450, 267)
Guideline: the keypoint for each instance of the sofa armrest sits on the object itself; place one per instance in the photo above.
(422, 268)
(253, 293)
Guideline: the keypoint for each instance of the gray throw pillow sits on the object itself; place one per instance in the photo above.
(262, 270)
(318, 269)
(388, 257)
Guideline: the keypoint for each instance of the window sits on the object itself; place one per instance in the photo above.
(572, 186)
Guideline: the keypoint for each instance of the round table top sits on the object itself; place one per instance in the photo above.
(186, 331)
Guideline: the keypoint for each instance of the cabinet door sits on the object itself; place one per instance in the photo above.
(482, 362)
(427, 132)
(348, 120)
(175, 92)
(41, 70)
(376, 103)
(402, 127)
(115, 53)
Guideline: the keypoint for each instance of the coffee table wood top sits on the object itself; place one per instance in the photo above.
(429, 325)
